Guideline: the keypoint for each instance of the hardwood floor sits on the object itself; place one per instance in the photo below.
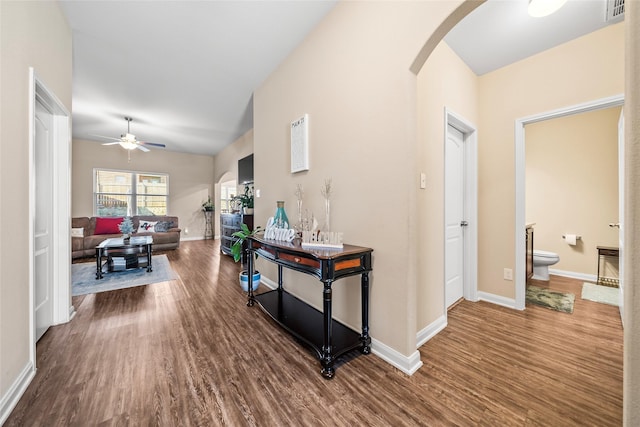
(190, 352)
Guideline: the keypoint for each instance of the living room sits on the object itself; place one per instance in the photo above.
(373, 185)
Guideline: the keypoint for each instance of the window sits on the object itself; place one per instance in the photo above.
(126, 193)
(227, 191)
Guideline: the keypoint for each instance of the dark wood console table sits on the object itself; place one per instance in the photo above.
(326, 336)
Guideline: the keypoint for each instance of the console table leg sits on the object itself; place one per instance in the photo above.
(98, 263)
(149, 266)
(327, 358)
(364, 337)
(250, 301)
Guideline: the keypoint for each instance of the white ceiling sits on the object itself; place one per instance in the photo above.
(500, 32)
(185, 71)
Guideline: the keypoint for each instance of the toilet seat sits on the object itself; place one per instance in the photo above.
(545, 254)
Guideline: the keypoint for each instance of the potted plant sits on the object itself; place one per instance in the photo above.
(236, 250)
(207, 206)
(246, 200)
(126, 228)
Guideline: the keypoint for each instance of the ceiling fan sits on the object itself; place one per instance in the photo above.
(129, 142)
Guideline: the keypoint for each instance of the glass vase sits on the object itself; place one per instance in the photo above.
(280, 219)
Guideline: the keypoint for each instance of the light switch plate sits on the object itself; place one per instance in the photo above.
(423, 180)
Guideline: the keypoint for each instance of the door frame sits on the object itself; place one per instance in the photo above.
(520, 176)
(470, 144)
(63, 311)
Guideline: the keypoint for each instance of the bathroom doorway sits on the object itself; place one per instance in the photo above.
(581, 252)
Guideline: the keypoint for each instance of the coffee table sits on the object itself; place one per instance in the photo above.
(136, 253)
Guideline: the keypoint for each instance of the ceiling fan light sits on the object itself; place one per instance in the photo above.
(127, 144)
(540, 8)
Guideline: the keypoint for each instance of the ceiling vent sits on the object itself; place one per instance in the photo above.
(615, 10)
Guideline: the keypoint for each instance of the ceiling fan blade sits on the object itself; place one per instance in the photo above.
(111, 143)
(154, 144)
(106, 137)
(141, 148)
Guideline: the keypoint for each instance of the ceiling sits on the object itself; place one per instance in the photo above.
(500, 32)
(185, 71)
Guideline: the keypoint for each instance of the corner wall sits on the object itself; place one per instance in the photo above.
(32, 34)
(444, 81)
(631, 391)
(351, 75)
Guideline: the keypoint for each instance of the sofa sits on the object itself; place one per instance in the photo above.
(87, 233)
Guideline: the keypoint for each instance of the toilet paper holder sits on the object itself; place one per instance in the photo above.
(578, 237)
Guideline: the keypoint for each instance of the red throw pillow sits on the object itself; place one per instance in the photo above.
(108, 225)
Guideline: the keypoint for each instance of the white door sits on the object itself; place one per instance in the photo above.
(621, 210)
(454, 215)
(43, 271)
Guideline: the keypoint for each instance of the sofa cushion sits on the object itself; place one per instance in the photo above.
(107, 225)
(163, 226)
(146, 226)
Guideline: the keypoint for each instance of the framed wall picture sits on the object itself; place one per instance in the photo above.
(300, 144)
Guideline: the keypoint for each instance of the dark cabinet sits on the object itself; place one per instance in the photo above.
(229, 224)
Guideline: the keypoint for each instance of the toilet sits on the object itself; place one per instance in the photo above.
(541, 262)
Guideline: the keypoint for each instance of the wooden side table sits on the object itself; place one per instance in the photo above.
(605, 252)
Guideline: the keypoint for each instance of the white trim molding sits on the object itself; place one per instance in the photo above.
(573, 275)
(431, 330)
(497, 299)
(470, 135)
(15, 392)
(407, 364)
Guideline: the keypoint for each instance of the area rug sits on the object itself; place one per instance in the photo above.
(83, 277)
(554, 300)
(598, 293)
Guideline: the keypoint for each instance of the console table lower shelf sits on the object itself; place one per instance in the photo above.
(301, 320)
(317, 329)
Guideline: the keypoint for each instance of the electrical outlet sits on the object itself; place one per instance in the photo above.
(186, 230)
(508, 274)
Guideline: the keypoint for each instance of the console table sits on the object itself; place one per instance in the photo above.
(326, 336)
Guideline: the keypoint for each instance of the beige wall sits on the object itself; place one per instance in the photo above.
(33, 34)
(190, 179)
(572, 186)
(226, 167)
(631, 391)
(351, 75)
(444, 81)
(585, 69)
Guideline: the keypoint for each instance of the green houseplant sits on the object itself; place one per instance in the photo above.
(246, 199)
(208, 204)
(236, 250)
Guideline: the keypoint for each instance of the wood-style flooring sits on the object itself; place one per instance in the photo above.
(189, 352)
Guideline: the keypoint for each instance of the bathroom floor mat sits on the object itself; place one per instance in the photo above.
(553, 300)
(598, 293)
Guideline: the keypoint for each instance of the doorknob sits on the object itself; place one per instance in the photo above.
(614, 225)
(463, 223)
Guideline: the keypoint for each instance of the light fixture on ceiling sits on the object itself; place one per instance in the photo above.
(540, 8)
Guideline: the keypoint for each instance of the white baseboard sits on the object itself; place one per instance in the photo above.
(407, 364)
(15, 392)
(573, 275)
(431, 330)
(497, 299)
(186, 239)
